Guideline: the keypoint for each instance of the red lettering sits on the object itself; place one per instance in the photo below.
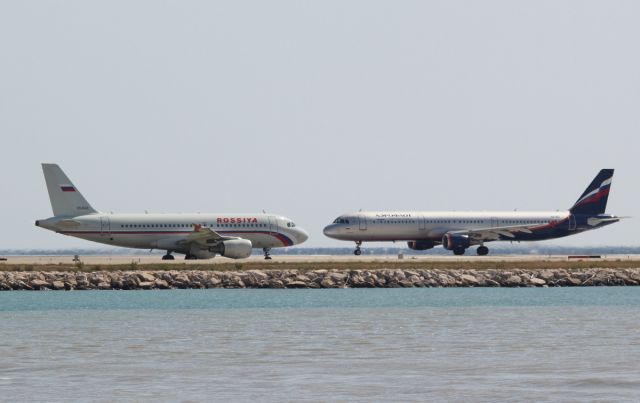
(219, 220)
(226, 219)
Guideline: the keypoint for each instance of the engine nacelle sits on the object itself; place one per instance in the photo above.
(234, 248)
(421, 245)
(455, 241)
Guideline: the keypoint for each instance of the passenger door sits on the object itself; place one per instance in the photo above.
(362, 223)
(273, 224)
(105, 226)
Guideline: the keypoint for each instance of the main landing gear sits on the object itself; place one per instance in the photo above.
(189, 256)
(168, 256)
(267, 254)
(458, 251)
(358, 252)
(482, 250)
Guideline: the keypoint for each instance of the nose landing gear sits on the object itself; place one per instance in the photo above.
(168, 256)
(358, 252)
(267, 254)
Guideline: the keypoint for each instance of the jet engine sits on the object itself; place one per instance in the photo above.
(421, 245)
(233, 248)
(455, 241)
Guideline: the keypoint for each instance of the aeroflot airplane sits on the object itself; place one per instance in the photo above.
(198, 236)
(458, 231)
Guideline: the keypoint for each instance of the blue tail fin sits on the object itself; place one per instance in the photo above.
(594, 199)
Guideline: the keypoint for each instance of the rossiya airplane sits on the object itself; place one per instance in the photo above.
(457, 231)
(197, 236)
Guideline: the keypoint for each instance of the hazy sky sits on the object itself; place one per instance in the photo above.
(311, 109)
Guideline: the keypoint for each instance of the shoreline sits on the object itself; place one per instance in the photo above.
(316, 279)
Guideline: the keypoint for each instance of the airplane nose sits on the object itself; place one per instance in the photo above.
(301, 235)
(329, 230)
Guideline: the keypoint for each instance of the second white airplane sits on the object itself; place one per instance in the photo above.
(457, 231)
(197, 236)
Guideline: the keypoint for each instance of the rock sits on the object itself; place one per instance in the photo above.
(21, 285)
(258, 275)
(468, 279)
(513, 281)
(327, 282)
(39, 284)
(303, 278)
(537, 281)
(411, 273)
(296, 284)
(572, 281)
(104, 286)
(338, 277)
(117, 284)
(146, 277)
(130, 283)
(213, 282)
(146, 285)
(83, 285)
(58, 285)
(491, 283)
(96, 278)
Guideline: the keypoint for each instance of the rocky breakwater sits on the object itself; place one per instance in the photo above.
(386, 278)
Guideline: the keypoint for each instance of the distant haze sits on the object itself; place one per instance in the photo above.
(314, 109)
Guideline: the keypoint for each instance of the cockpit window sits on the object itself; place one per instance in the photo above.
(341, 220)
(291, 224)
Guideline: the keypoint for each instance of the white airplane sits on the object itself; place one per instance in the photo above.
(457, 231)
(198, 236)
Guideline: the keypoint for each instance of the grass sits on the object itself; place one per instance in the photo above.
(345, 266)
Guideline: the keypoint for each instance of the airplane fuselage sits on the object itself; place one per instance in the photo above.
(164, 231)
(416, 226)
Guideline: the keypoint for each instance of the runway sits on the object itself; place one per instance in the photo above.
(155, 259)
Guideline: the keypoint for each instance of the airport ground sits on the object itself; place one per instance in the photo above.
(316, 262)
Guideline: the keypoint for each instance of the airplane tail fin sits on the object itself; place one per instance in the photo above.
(65, 198)
(594, 199)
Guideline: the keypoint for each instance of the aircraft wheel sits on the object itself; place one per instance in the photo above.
(458, 251)
(190, 257)
(357, 252)
(482, 250)
(168, 257)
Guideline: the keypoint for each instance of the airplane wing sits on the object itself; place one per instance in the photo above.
(493, 234)
(205, 236)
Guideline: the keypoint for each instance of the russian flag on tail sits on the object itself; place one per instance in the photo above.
(67, 188)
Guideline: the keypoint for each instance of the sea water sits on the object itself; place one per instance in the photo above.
(482, 344)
